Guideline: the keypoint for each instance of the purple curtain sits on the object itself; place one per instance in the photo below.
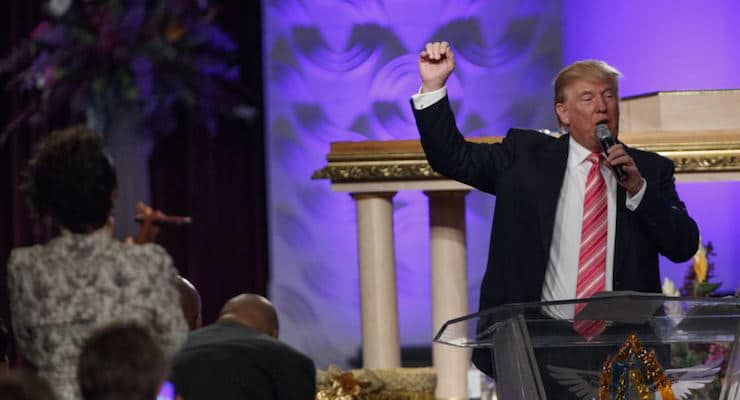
(220, 182)
(15, 225)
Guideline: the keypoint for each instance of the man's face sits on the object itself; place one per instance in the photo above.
(588, 103)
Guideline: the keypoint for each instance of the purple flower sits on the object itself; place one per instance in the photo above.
(36, 71)
(133, 19)
(177, 4)
(40, 30)
(214, 37)
(49, 75)
(49, 34)
(141, 66)
(232, 73)
(210, 65)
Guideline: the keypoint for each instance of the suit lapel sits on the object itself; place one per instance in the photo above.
(621, 238)
(551, 163)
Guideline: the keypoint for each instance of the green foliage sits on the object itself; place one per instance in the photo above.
(685, 355)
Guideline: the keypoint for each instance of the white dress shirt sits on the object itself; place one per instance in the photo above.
(561, 276)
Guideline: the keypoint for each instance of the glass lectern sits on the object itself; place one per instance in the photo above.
(651, 346)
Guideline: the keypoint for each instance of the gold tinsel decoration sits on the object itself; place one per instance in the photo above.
(393, 384)
(653, 373)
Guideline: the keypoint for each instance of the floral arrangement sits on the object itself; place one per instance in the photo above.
(696, 284)
(91, 58)
(697, 279)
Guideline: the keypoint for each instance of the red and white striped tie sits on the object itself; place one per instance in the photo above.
(592, 256)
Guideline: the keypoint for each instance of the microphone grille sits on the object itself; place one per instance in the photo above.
(602, 132)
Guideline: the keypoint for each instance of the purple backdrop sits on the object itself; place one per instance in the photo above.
(339, 71)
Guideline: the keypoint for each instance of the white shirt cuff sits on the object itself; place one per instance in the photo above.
(634, 201)
(424, 100)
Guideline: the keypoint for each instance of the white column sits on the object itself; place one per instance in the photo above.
(380, 339)
(449, 288)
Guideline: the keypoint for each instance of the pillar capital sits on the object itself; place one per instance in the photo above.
(372, 195)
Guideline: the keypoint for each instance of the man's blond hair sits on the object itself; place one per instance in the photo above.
(584, 70)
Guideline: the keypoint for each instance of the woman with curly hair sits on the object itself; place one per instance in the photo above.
(84, 278)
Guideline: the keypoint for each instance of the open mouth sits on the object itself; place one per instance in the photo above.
(603, 121)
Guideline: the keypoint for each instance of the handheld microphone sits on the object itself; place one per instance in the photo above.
(604, 136)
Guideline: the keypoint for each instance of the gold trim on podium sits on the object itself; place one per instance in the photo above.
(369, 161)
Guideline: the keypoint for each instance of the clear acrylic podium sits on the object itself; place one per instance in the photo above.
(695, 342)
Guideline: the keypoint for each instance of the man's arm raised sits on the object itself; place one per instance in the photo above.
(447, 151)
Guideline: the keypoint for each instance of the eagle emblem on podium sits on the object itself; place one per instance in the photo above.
(634, 369)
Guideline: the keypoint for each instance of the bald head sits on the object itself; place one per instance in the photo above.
(190, 303)
(253, 311)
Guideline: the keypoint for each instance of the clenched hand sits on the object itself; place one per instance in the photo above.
(436, 63)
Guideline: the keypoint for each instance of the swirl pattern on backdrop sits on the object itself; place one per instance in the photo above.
(344, 71)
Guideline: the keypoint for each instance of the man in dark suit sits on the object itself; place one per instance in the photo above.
(540, 184)
(239, 357)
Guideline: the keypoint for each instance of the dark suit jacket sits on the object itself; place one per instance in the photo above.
(525, 173)
(230, 361)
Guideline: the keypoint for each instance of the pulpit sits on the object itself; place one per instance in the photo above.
(651, 345)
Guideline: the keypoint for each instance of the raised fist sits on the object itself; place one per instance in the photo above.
(436, 63)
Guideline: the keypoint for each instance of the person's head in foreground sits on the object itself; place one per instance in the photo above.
(121, 361)
(23, 385)
(253, 311)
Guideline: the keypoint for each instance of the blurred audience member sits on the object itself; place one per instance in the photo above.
(239, 357)
(24, 385)
(4, 343)
(84, 278)
(190, 303)
(121, 361)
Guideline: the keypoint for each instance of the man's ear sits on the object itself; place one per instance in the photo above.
(562, 111)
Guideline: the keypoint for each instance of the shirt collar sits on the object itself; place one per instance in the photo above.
(577, 154)
(82, 244)
(102, 234)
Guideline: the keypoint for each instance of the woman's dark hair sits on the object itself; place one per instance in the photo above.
(72, 179)
(121, 361)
